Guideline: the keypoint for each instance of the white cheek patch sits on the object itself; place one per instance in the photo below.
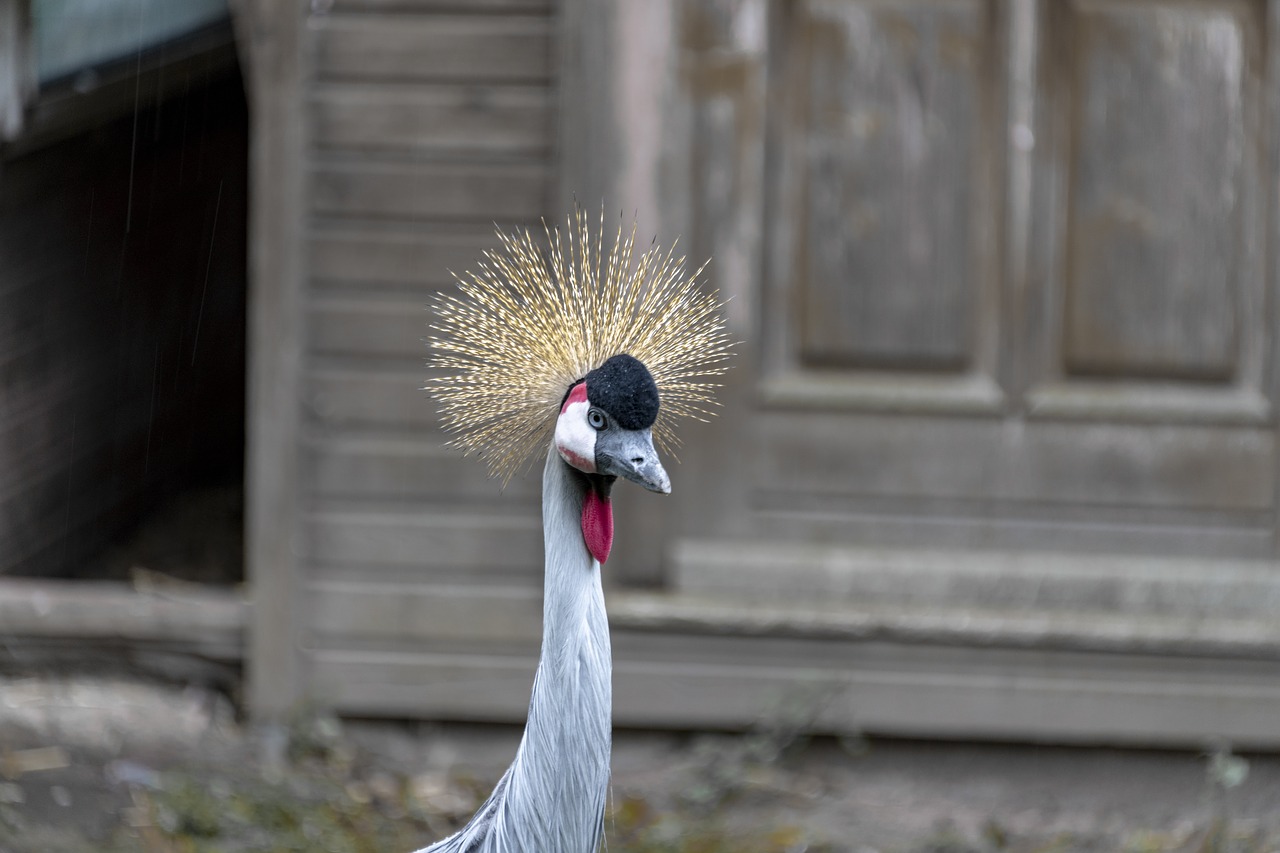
(575, 439)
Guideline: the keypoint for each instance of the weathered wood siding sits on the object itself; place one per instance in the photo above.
(1000, 267)
(1005, 270)
(427, 124)
(999, 454)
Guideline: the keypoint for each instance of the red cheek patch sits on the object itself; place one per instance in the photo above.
(597, 525)
(576, 460)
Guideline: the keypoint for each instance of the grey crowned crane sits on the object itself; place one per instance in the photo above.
(592, 356)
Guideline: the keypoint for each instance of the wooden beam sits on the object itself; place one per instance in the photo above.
(345, 614)
(273, 31)
(209, 621)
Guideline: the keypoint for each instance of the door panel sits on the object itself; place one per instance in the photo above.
(886, 257)
(1148, 284)
(892, 138)
(931, 376)
(1163, 112)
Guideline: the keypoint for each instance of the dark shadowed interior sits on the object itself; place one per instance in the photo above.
(122, 341)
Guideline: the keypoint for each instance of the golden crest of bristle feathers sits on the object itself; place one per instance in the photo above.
(534, 319)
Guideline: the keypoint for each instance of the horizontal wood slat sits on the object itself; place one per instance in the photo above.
(495, 541)
(476, 48)
(434, 120)
(876, 688)
(418, 257)
(203, 617)
(365, 326)
(345, 468)
(346, 399)
(441, 686)
(411, 612)
(457, 192)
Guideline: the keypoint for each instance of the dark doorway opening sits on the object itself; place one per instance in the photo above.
(122, 338)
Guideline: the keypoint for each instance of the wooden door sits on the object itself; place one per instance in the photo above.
(1015, 299)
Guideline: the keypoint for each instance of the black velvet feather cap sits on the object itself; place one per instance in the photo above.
(624, 388)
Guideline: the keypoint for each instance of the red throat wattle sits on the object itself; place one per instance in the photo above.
(597, 525)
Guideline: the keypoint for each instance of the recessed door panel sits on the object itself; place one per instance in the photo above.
(893, 135)
(1161, 149)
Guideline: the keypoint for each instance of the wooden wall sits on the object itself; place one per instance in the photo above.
(1001, 272)
(423, 125)
(998, 458)
(429, 124)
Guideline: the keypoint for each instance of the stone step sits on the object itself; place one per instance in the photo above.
(958, 626)
(965, 582)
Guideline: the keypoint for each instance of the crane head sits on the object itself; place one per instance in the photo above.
(605, 424)
(521, 332)
(605, 431)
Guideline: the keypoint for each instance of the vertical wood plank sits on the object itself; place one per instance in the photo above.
(273, 31)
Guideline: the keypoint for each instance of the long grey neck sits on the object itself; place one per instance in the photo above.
(560, 777)
(553, 795)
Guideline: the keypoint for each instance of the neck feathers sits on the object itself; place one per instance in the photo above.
(553, 795)
(560, 777)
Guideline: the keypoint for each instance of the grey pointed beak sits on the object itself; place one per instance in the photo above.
(630, 454)
(651, 475)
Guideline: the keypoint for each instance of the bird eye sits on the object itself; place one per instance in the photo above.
(596, 418)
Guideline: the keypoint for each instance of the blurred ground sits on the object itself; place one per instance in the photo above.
(116, 764)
